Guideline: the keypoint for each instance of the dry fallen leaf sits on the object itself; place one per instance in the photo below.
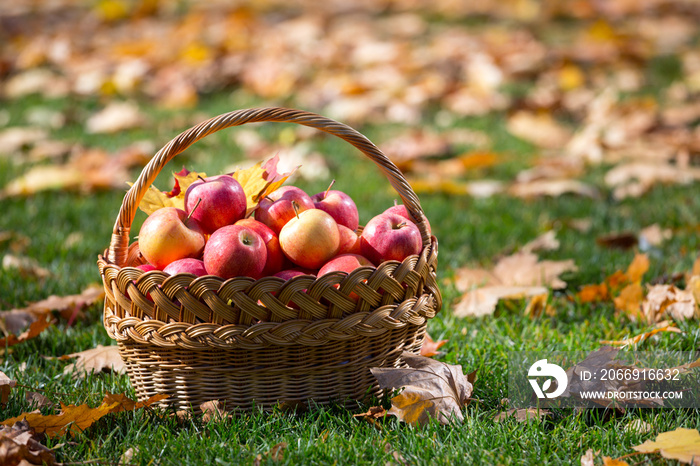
(667, 300)
(19, 445)
(540, 129)
(35, 328)
(99, 359)
(115, 117)
(431, 389)
(26, 266)
(6, 384)
(680, 444)
(72, 419)
(521, 275)
(373, 415)
(665, 327)
(430, 348)
(75, 419)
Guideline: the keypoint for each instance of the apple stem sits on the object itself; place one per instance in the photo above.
(396, 202)
(295, 206)
(192, 211)
(329, 188)
(200, 177)
(400, 225)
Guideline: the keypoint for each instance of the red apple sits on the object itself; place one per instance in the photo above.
(276, 209)
(310, 239)
(188, 265)
(349, 241)
(146, 267)
(275, 256)
(168, 235)
(401, 210)
(234, 251)
(390, 237)
(339, 205)
(344, 263)
(223, 201)
(291, 273)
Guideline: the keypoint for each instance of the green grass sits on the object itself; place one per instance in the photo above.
(470, 231)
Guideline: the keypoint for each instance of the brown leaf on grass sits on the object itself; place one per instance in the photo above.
(518, 276)
(99, 359)
(414, 144)
(214, 410)
(115, 117)
(636, 178)
(71, 419)
(124, 403)
(373, 415)
(629, 300)
(86, 170)
(35, 328)
(6, 385)
(541, 129)
(26, 266)
(75, 419)
(19, 445)
(680, 444)
(665, 327)
(667, 300)
(16, 320)
(37, 400)
(614, 283)
(522, 414)
(14, 139)
(552, 188)
(275, 454)
(431, 389)
(430, 347)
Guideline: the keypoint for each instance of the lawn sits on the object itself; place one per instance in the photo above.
(65, 229)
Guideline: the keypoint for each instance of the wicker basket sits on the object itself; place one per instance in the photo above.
(267, 341)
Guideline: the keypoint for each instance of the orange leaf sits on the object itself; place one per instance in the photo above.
(127, 404)
(594, 292)
(35, 328)
(641, 337)
(630, 300)
(638, 267)
(72, 419)
(430, 347)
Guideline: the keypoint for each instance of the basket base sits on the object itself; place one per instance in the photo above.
(289, 375)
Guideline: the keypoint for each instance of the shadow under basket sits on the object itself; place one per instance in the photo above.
(259, 343)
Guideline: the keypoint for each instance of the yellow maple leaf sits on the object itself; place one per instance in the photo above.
(260, 180)
(155, 199)
(680, 444)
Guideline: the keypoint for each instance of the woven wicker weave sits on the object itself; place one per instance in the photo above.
(262, 342)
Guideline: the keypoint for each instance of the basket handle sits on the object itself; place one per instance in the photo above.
(119, 244)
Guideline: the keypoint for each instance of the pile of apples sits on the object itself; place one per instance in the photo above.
(290, 233)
